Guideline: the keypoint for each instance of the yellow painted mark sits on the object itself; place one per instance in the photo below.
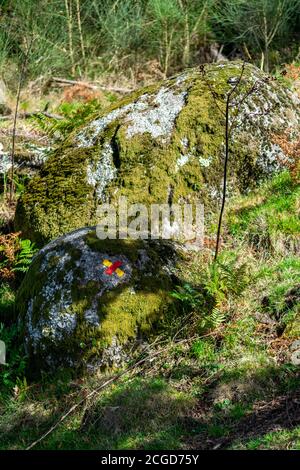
(107, 263)
(119, 272)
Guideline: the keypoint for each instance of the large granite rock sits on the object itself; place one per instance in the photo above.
(164, 143)
(85, 300)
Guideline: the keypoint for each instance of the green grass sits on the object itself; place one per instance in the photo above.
(279, 440)
(278, 280)
(142, 413)
(7, 299)
(270, 211)
(204, 351)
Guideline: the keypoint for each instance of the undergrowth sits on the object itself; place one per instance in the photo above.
(222, 375)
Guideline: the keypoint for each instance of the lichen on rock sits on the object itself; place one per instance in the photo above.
(101, 172)
(168, 135)
(27, 162)
(75, 314)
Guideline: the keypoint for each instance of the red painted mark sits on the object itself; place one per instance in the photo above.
(113, 267)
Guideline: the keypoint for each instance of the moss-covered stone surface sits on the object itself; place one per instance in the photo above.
(164, 143)
(77, 315)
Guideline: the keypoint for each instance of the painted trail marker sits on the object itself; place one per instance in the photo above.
(113, 268)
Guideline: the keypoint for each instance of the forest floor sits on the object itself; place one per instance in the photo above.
(233, 386)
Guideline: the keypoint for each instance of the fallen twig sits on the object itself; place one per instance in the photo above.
(65, 81)
(92, 86)
(29, 115)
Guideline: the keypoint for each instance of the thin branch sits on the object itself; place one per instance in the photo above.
(277, 24)
(20, 83)
(227, 135)
(92, 86)
(252, 90)
(68, 7)
(12, 174)
(80, 33)
(224, 177)
(29, 115)
(213, 93)
(238, 81)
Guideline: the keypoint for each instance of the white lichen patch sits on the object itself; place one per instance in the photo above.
(91, 316)
(185, 143)
(271, 158)
(159, 119)
(37, 159)
(265, 109)
(58, 322)
(154, 114)
(40, 154)
(60, 241)
(5, 162)
(99, 174)
(88, 136)
(181, 78)
(143, 259)
(113, 355)
(182, 160)
(205, 162)
(186, 157)
(34, 333)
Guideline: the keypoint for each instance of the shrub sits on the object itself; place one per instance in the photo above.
(15, 257)
(221, 281)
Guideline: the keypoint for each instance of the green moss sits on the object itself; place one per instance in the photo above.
(126, 311)
(293, 327)
(28, 289)
(127, 247)
(137, 306)
(51, 197)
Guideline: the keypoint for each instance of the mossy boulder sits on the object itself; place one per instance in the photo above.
(84, 300)
(164, 143)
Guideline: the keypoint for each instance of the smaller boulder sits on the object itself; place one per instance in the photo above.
(84, 300)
